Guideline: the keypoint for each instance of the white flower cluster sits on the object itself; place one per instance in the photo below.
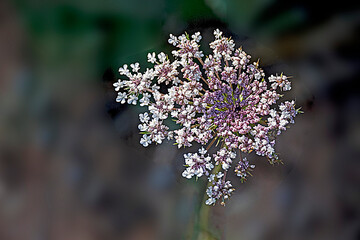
(281, 82)
(221, 98)
(197, 165)
(220, 189)
(224, 157)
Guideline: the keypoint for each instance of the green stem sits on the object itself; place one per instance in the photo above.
(206, 230)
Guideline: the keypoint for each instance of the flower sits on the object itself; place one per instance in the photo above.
(151, 57)
(135, 67)
(145, 140)
(121, 97)
(144, 117)
(173, 40)
(196, 37)
(132, 99)
(217, 33)
(145, 100)
(119, 84)
(124, 70)
(162, 57)
(222, 100)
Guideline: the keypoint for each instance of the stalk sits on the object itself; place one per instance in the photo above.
(206, 230)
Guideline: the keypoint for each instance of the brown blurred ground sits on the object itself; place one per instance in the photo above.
(71, 166)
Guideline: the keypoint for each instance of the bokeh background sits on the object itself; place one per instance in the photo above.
(72, 168)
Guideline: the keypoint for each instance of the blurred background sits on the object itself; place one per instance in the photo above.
(71, 166)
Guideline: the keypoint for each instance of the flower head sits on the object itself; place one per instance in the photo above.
(221, 100)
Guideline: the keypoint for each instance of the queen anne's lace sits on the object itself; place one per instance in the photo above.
(223, 99)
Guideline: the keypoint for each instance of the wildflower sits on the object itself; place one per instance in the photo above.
(132, 99)
(143, 127)
(124, 70)
(196, 37)
(151, 57)
(145, 140)
(144, 117)
(135, 67)
(217, 33)
(223, 100)
(162, 57)
(173, 40)
(121, 98)
(145, 100)
(119, 84)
